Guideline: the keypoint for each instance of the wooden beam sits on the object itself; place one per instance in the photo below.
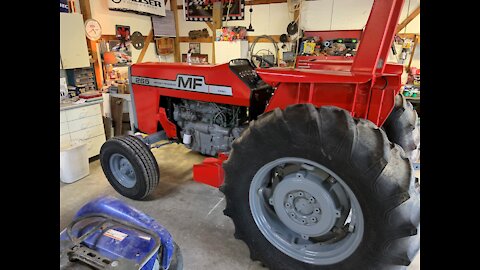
(210, 25)
(176, 45)
(407, 35)
(113, 37)
(209, 39)
(408, 19)
(92, 45)
(415, 42)
(217, 24)
(145, 47)
(201, 39)
(217, 15)
(264, 40)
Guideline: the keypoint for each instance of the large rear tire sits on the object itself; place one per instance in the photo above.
(402, 128)
(129, 166)
(354, 200)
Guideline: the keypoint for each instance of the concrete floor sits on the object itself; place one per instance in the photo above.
(191, 212)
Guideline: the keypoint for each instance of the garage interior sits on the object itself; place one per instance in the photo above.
(96, 101)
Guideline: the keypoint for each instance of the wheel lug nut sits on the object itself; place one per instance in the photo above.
(292, 215)
(287, 205)
(317, 210)
(270, 201)
(311, 199)
(303, 221)
(304, 236)
(300, 194)
(313, 219)
(290, 196)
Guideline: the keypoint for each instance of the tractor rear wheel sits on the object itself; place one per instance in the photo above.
(314, 188)
(129, 166)
(401, 127)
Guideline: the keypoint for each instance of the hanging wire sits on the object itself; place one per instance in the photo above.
(228, 12)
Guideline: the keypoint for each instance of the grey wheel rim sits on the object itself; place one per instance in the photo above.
(123, 170)
(306, 211)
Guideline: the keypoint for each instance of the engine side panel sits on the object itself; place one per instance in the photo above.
(208, 83)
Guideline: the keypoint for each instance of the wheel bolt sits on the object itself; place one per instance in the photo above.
(270, 201)
(313, 219)
(287, 205)
(290, 196)
(303, 221)
(312, 200)
(292, 215)
(300, 194)
(317, 210)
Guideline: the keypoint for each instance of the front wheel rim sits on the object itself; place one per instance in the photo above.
(122, 170)
(306, 211)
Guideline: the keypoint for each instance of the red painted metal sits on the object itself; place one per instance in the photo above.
(147, 98)
(352, 92)
(210, 171)
(340, 63)
(377, 37)
(364, 85)
(169, 127)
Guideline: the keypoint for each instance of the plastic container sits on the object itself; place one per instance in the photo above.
(73, 162)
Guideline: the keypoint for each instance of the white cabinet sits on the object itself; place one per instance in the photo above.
(228, 50)
(73, 43)
(84, 124)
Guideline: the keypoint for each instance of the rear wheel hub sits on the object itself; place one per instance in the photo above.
(306, 211)
(312, 212)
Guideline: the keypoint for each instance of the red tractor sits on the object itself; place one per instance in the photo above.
(315, 163)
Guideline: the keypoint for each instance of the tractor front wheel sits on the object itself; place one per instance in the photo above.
(314, 188)
(129, 166)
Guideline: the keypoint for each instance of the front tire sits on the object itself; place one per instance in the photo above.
(129, 166)
(370, 185)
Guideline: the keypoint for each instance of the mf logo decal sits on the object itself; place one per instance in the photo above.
(186, 83)
(194, 83)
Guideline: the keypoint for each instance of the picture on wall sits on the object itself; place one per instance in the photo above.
(202, 10)
(194, 47)
(122, 32)
(164, 45)
(122, 54)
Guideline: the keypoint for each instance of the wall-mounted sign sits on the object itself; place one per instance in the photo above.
(64, 6)
(164, 26)
(147, 7)
(202, 10)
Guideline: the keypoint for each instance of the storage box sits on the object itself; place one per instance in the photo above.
(73, 162)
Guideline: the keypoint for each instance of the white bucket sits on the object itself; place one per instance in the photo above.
(73, 162)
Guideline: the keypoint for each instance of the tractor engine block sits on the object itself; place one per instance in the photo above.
(208, 128)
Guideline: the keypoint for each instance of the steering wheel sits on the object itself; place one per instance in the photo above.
(256, 56)
(261, 59)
